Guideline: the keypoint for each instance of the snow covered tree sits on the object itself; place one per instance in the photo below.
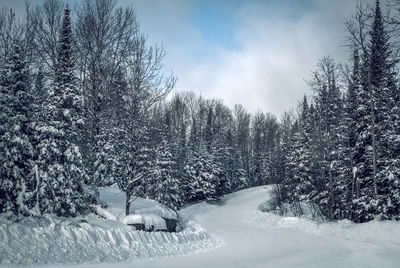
(257, 160)
(348, 149)
(39, 88)
(105, 37)
(221, 159)
(375, 118)
(200, 176)
(282, 167)
(383, 95)
(352, 104)
(343, 164)
(208, 131)
(165, 188)
(59, 161)
(270, 137)
(178, 142)
(242, 137)
(145, 87)
(300, 159)
(143, 164)
(104, 165)
(107, 150)
(16, 135)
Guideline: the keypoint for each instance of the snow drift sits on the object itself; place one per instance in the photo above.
(150, 221)
(383, 232)
(65, 241)
(56, 240)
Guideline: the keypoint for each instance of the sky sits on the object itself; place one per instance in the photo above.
(250, 52)
(257, 53)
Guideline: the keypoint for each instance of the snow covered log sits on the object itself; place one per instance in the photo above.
(150, 222)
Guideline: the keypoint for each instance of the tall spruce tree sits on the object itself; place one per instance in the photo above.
(16, 135)
(143, 164)
(59, 162)
(352, 103)
(383, 97)
(200, 175)
(166, 187)
(257, 170)
(301, 157)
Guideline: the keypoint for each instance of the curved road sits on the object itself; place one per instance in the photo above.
(247, 244)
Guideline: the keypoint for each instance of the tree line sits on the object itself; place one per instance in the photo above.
(83, 106)
(341, 153)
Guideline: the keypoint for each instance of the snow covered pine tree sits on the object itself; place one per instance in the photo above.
(59, 162)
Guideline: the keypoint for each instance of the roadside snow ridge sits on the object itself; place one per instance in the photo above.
(61, 242)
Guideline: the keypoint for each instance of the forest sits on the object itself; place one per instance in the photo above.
(86, 103)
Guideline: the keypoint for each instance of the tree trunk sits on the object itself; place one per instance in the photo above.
(373, 145)
(127, 203)
(331, 194)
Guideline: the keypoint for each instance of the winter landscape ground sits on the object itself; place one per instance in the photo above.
(234, 234)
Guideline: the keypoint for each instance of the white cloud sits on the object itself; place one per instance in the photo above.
(274, 58)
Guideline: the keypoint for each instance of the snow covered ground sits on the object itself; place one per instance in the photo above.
(55, 240)
(237, 234)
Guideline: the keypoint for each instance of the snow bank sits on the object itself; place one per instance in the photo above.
(116, 204)
(150, 221)
(104, 213)
(157, 209)
(191, 211)
(384, 232)
(133, 219)
(57, 241)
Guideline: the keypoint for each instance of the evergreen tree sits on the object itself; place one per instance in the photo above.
(104, 165)
(143, 164)
(293, 183)
(16, 135)
(351, 114)
(383, 124)
(301, 159)
(242, 138)
(284, 187)
(258, 149)
(222, 157)
(200, 176)
(181, 153)
(40, 88)
(59, 161)
(208, 132)
(102, 170)
(166, 187)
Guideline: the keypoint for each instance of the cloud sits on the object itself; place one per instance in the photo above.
(274, 56)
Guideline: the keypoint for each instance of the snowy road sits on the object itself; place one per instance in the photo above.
(251, 240)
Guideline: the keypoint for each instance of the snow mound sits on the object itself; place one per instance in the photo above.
(133, 219)
(383, 232)
(58, 241)
(157, 209)
(150, 221)
(104, 213)
(116, 204)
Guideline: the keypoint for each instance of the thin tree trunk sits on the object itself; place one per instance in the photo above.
(373, 145)
(37, 206)
(127, 203)
(331, 194)
(357, 188)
